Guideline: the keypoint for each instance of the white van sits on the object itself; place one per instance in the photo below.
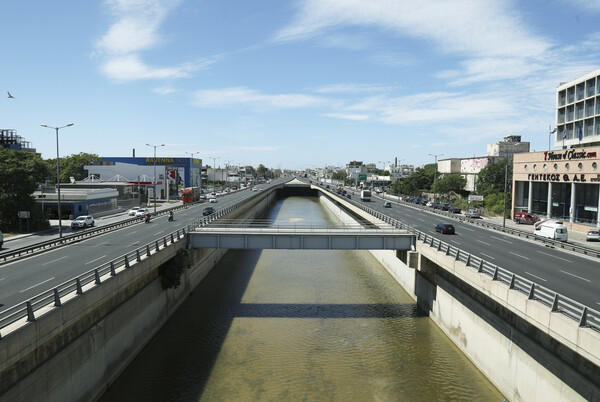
(551, 229)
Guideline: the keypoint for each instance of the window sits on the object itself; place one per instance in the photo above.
(594, 166)
(570, 110)
(589, 108)
(589, 128)
(580, 91)
(562, 98)
(567, 166)
(571, 95)
(591, 87)
(580, 166)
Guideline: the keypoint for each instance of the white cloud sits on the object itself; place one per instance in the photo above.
(348, 116)
(135, 30)
(165, 90)
(236, 96)
(481, 27)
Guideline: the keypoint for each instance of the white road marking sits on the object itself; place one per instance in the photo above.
(535, 276)
(419, 219)
(99, 258)
(58, 259)
(550, 255)
(578, 277)
(519, 255)
(157, 233)
(482, 242)
(97, 245)
(501, 239)
(455, 242)
(134, 244)
(1, 279)
(41, 283)
(464, 228)
(129, 234)
(488, 256)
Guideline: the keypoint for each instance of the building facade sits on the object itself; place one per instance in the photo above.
(578, 112)
(563, 185)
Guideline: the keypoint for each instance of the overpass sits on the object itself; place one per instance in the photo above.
(294, 238)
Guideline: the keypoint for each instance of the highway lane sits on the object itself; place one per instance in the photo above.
(21, 280)
(572, 275)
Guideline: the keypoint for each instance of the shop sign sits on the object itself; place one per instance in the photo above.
(569, 154)
(575, 178)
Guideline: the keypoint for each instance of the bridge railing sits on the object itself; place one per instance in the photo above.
(586, 316)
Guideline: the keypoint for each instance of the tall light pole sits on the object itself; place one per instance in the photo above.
(58, 174)
(155, 146)
(435, 178)
(215, 172)
(227, 171)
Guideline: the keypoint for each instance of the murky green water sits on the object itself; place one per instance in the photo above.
(279, 325)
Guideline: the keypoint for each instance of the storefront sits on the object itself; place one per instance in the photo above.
(562, 184)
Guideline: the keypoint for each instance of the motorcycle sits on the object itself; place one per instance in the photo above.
(171, 216)
(147, 218)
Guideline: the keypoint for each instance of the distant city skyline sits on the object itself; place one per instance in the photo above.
(294, 84)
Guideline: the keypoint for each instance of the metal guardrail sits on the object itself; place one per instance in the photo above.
(53, 297)
(586, 316)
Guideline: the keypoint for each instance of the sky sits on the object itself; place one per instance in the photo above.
(290, 84)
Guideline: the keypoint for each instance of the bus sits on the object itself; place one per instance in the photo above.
(365, 195)
(190, 194)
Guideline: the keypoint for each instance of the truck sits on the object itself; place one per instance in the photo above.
(365, 195)
(190, 194)
(551, 229)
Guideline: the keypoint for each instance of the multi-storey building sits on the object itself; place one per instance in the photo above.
(578, 112)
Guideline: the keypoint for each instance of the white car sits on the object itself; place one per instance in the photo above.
(141, 213)
(213, 200)
(133, 210)
(82, 221)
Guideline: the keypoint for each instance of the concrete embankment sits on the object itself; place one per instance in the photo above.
(527, 351)
(74, 352)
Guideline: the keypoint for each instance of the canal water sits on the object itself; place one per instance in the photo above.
(281, 325)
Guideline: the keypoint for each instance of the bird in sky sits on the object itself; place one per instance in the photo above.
(10, 96)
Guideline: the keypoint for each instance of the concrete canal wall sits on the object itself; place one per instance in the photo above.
(528, 352)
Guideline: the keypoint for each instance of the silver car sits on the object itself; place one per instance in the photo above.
(593, 235)
(472, 213)
(82, 221)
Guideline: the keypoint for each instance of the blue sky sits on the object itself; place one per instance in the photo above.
(292, 84)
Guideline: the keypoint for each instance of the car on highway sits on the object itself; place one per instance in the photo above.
(140, 213)
(444, 228)
(213, 200)
(472, 213)
(387, 204)
(82, 221)
(208, 211)
(348, 195)
(592, 235)
(133, 210)
(454, 209)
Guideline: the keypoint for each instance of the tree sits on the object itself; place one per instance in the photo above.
(491, 178)
(72, 166)
(261, 170)
(451, 183)
(339, 175)
(20, 174)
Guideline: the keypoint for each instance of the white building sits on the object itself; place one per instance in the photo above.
(578, 112)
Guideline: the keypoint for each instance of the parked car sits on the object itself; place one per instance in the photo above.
(592, 234)
(82, 221)
(140, 213)
(213, 201)
(445, 206)
(387, 204)
(525, 217)
(133, 210)
(454, 209)
(429, 204)
(208, 211)
(472, 213)
(444, 228)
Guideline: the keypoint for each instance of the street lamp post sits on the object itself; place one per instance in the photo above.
(154, 181)
(215, 173)
(435, 178)
(58, 174)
